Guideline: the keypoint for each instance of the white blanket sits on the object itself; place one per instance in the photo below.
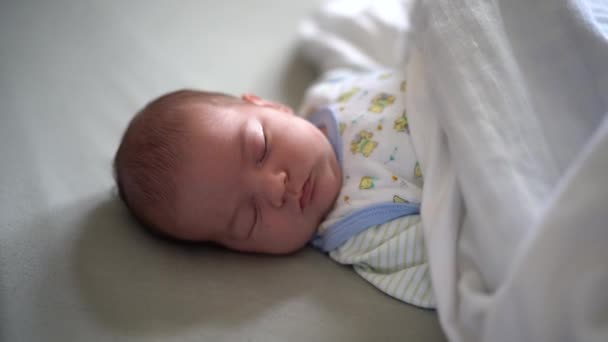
(507, 104)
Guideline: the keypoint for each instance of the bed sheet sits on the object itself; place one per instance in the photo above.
(73, 265)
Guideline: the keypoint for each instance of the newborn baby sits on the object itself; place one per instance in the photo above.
(245, 173)
(250, 175)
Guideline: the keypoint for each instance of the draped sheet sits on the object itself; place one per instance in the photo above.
(507, 101)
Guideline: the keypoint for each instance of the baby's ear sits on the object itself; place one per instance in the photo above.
(258, 101)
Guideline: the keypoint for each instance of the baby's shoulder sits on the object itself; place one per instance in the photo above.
(341, 86)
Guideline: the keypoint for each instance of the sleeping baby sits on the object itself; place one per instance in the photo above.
(250, 175)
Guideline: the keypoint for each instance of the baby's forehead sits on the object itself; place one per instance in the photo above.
(217, 122)
(213, 157)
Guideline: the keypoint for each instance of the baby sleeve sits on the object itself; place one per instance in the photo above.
(392, 257)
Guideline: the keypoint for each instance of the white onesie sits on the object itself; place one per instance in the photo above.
(374, 224)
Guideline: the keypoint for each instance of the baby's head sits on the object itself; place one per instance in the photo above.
(245, 173)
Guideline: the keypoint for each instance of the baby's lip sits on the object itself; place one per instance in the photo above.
(306, 194)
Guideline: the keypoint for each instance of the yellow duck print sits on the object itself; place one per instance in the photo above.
(417, 170)
(362, 143)
(344, 97)
(401, 124)
(385, 76)
(403, 86)
(381, 101)
(367, 182)
(397, 199)
(342, 127)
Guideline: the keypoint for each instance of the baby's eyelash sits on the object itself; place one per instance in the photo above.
(265, 152)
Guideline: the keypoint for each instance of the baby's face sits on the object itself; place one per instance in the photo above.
(257, 178)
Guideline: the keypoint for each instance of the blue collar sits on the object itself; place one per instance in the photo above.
(326, 117)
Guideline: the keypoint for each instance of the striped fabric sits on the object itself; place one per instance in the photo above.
(392, 257)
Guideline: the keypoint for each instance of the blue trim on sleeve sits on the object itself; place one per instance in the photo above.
(326, 117)
(361, 220)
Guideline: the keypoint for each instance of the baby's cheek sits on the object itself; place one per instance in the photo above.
(290, 227)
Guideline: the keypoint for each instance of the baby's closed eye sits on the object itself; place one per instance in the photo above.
(263, 148)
